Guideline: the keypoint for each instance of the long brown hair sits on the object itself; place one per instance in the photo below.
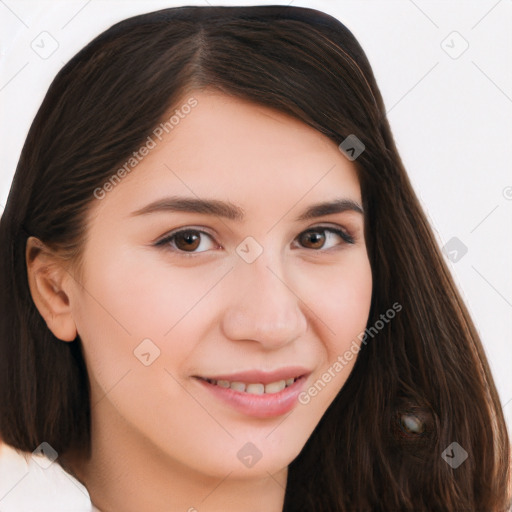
(427, 363)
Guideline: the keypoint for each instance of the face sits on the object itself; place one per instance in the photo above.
(212, 259)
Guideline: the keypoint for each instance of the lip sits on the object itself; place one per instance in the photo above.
(258, 406)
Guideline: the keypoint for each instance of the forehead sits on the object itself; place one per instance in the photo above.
(226, 147)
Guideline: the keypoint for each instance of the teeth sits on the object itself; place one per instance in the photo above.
(254, 388)
(238, 386)
(275, 387)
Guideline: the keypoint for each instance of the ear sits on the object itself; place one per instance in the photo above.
(48, 282)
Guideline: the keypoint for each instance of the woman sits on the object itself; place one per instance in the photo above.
(204, 269)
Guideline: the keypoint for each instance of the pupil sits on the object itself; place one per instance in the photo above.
(316, 239)
(187, 241)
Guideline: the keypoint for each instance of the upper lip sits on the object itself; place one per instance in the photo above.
(259, 376)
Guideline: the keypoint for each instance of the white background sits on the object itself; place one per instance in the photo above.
(451, 118)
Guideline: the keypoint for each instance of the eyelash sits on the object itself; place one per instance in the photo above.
(168, 239)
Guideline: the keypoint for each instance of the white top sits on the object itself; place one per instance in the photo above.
(35, 483)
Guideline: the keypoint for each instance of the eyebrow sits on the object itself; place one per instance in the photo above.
(232, 212)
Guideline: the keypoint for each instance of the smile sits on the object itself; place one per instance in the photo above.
(254, 388)
(257, 394)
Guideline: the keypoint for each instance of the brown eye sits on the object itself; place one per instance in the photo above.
(312, 239)
(187, 240)
(324, 238)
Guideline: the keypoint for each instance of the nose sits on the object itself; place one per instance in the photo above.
(263, 307)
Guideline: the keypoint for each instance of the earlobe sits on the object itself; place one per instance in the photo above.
(47, 278)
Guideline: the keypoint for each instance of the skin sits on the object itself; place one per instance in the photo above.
(160, 440)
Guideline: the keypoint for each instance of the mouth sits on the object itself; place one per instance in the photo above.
(253, 388)
(257, 394)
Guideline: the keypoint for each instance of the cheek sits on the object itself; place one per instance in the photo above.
(125, 302)
(340, 297)
(147, 296)
(341, 305)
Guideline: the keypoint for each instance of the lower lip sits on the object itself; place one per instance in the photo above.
(267, 405)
